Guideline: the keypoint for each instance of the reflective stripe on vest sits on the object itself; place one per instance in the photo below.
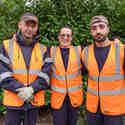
(117, 75)
(44, 75)
(68, 89)
(23, 71)
(42, 49)
(70, 76)
(106, 92)
(4, 59)
(10, 49)
(5, 75)
(66, 77)
(49, 60)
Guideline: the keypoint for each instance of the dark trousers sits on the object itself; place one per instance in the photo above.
(100, 119)
(67, 115)
(14, 117)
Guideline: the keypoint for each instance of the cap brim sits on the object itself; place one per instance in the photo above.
(30, 20)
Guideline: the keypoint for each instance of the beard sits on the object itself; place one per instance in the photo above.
(100, 38)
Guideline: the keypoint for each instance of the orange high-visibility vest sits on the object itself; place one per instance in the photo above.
(22, 74)
(66, 81)
(107, 86)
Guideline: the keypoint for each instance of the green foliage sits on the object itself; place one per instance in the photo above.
(2, 108)
(47, 98)
(53, 14)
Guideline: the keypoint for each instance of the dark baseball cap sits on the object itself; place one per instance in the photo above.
(29, 17)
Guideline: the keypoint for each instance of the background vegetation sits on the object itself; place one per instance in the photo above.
(53, 14)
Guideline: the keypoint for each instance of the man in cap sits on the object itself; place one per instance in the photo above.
(23, 72)
(104, 61)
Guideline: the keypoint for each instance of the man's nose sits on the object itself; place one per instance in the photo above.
(98, 30)
(30, 28)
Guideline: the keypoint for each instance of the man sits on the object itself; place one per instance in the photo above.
(21, 61)
(104, 61)
(66, 80)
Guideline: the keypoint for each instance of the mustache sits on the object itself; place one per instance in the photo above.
(99, 34)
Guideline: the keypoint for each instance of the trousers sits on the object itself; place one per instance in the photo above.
(15, 117)
(67, 115)
(100, 119)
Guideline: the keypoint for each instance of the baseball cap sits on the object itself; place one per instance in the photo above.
(28, 16)
(97, 19)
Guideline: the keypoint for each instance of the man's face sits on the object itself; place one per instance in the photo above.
(99, 31)
(28, 28)
(65, 37)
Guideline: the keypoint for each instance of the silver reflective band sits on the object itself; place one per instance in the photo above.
(33, 71)
(64, 90)
(70, 76)
(54, 52)
(5, 75)
(58, 89)
(10, 49)
(42, 49)
(78, 56)
(107, 92)
(23, 71)
(106, 78)
(74, 88)
(116, 76)
(45, 76)
(19, 71)
(86, 57)
(66, 77)
(49, 60)
(4, 59)
(117, 59)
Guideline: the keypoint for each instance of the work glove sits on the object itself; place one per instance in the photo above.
(25, 93)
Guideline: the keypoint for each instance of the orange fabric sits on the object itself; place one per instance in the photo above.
(113, 104)
(10, 98)
(76, 97)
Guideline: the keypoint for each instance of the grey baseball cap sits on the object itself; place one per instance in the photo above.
(28, 16)
(97, 19)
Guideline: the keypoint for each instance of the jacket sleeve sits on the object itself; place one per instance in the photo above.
(42, 82)
(7, 81)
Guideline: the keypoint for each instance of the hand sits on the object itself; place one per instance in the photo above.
(25, 93)
(14, 37)
(116, 40)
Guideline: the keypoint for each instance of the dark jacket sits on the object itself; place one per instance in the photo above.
(11, 83)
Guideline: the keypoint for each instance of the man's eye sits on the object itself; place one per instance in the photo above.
(101, 26)
(93, 28)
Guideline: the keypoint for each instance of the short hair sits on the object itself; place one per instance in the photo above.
(65, 26)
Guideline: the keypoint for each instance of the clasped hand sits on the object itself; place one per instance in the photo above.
(25, 93)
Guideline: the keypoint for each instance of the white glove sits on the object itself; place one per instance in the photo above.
(25, 93)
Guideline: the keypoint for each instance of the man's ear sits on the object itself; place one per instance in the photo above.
(19, 25)
(108, 29)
